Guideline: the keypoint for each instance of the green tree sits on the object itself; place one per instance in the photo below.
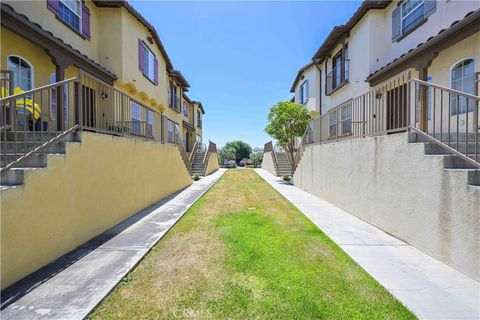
(242, 149)
(256, 158)
(287, 121)
(226, 154)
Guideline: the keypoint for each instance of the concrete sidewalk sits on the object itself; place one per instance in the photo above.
(72, 286)
(429, 288)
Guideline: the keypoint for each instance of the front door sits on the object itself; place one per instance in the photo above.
(397, 108)
(89, 107)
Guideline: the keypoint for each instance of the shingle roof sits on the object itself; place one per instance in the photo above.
(9, 10)
(472, 16)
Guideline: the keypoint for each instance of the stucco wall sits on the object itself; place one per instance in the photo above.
(446, 13)
(267, 163)
(212, 164)
(311, 74)
(96, 185)
(394, 186)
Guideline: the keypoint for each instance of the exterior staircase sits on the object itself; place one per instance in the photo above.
(282, 164)
(198, 166)
(452, 161)
(15, 144)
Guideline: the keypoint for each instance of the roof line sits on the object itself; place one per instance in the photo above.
(468, 25)
(142, 19)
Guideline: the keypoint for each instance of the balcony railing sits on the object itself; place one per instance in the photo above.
(337, 77)
(445, 116)
(31, 120)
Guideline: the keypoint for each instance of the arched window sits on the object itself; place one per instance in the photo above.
(463, 79)
(22, 72)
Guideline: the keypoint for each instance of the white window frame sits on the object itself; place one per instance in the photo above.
(149, 63)
(185, 107)
(344, 120)
(53, 95)
(304, 95)
(402, 17)
(150, 116)
(459, 109)
(79, 14)
(32, 71)
(135, 117)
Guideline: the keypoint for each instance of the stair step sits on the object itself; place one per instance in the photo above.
(35, 160)
(14, 176)
(20, 146)
(455, 162)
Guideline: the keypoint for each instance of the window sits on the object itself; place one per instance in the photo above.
(136, 116)
(346, 119)
(340, 70)
(185, 109)
(409, 15)
(173, 131)
(148, 63)
(304, 92)
(198, 138)
(53, 100)
(462, 79)
(149, 123)
(332, 120)
(22, 73)
(70, 11)
(199, 119)
(174, 99)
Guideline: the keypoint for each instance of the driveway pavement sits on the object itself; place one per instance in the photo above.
(429, 288)
(70, 287)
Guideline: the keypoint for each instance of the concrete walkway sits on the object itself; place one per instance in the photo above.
(72, 286)
(429, 288)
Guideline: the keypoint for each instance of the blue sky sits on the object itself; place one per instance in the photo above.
(240, 58)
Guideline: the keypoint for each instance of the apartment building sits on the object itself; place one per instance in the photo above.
(95, 126)
(394, 139)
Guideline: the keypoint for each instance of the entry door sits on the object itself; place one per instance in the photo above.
(187, 148)
(397, 108)
(89, 106)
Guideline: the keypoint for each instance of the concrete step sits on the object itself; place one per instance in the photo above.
(35, 160)
(474, 177)
(20, 146)
(14, 176)
(38, 136)
(455, 162)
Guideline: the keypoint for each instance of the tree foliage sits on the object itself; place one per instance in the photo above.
(226, 154)
(256, 158)
(242, 149)
(287, 121)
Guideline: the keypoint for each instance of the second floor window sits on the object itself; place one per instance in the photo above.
(70, 11)
(185, 109)
(409, 15)
(304, 93)
(148, 63)
(199, 119)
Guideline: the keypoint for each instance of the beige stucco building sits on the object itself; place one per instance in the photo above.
(395, 134)
(95, 122)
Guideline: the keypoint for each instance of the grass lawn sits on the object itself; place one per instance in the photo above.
(244, 252)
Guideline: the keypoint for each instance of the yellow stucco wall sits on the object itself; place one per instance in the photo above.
(212, 165)
(80, 195)
(38, 12)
